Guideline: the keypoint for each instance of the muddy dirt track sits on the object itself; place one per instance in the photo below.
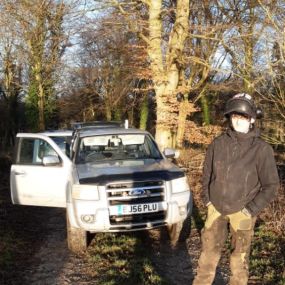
(45, 259)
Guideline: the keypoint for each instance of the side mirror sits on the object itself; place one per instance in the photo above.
(51, 160)
(171, 153)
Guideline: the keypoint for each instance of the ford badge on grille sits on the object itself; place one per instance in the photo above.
(137, 192)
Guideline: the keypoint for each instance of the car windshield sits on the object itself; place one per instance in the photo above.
(116, 147)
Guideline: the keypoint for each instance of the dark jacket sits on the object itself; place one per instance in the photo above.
(239, 172)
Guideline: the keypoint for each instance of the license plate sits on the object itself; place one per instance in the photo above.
(136, 209)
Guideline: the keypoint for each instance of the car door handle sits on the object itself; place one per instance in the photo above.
(20, 173)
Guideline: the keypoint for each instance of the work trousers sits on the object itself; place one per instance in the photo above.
(214, 235)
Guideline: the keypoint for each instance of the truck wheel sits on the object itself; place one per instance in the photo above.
(77, 239)
(180, 231)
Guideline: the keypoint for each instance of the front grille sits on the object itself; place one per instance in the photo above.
(135, 192)
(139, 192)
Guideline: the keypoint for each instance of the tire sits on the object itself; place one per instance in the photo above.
(77, 239)
(180, 231)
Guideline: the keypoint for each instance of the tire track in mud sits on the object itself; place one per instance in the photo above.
(53, 263)
(47, 262)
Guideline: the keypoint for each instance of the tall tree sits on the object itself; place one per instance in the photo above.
(182, 39)
(105, 68)
(271, 89)
(40, 24)
(10, 93)
(242, 42)
(11, 78)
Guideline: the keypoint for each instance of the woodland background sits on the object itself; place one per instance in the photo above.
(167, 66)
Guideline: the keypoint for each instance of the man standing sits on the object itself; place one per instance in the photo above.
(239, 180)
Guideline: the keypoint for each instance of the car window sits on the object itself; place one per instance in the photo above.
(33, 150)
(116, 147)
(63, 142)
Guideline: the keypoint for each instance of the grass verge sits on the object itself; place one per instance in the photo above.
(121, 259)
(267, 261)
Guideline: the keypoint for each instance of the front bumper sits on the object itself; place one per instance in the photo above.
(177, 208)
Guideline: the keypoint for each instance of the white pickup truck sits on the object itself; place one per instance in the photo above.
(109, 179)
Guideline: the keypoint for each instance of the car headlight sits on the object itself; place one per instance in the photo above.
(180, 185)
(85, 192)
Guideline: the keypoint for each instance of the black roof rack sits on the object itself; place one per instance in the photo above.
(97, 124)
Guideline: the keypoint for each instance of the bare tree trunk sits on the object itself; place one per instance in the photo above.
(108, 112)
(144, 113)
(131, 116)
(41, 103)
(164, 133)
(166, 71)
(205, 110)
(11, 83)
(37, 69)
(118, 114)
(184, 109)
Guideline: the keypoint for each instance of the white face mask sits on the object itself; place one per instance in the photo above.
(240, 125)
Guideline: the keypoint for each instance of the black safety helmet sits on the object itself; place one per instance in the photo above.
(242, 103)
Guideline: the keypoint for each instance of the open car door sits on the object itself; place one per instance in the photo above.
(39, 173)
